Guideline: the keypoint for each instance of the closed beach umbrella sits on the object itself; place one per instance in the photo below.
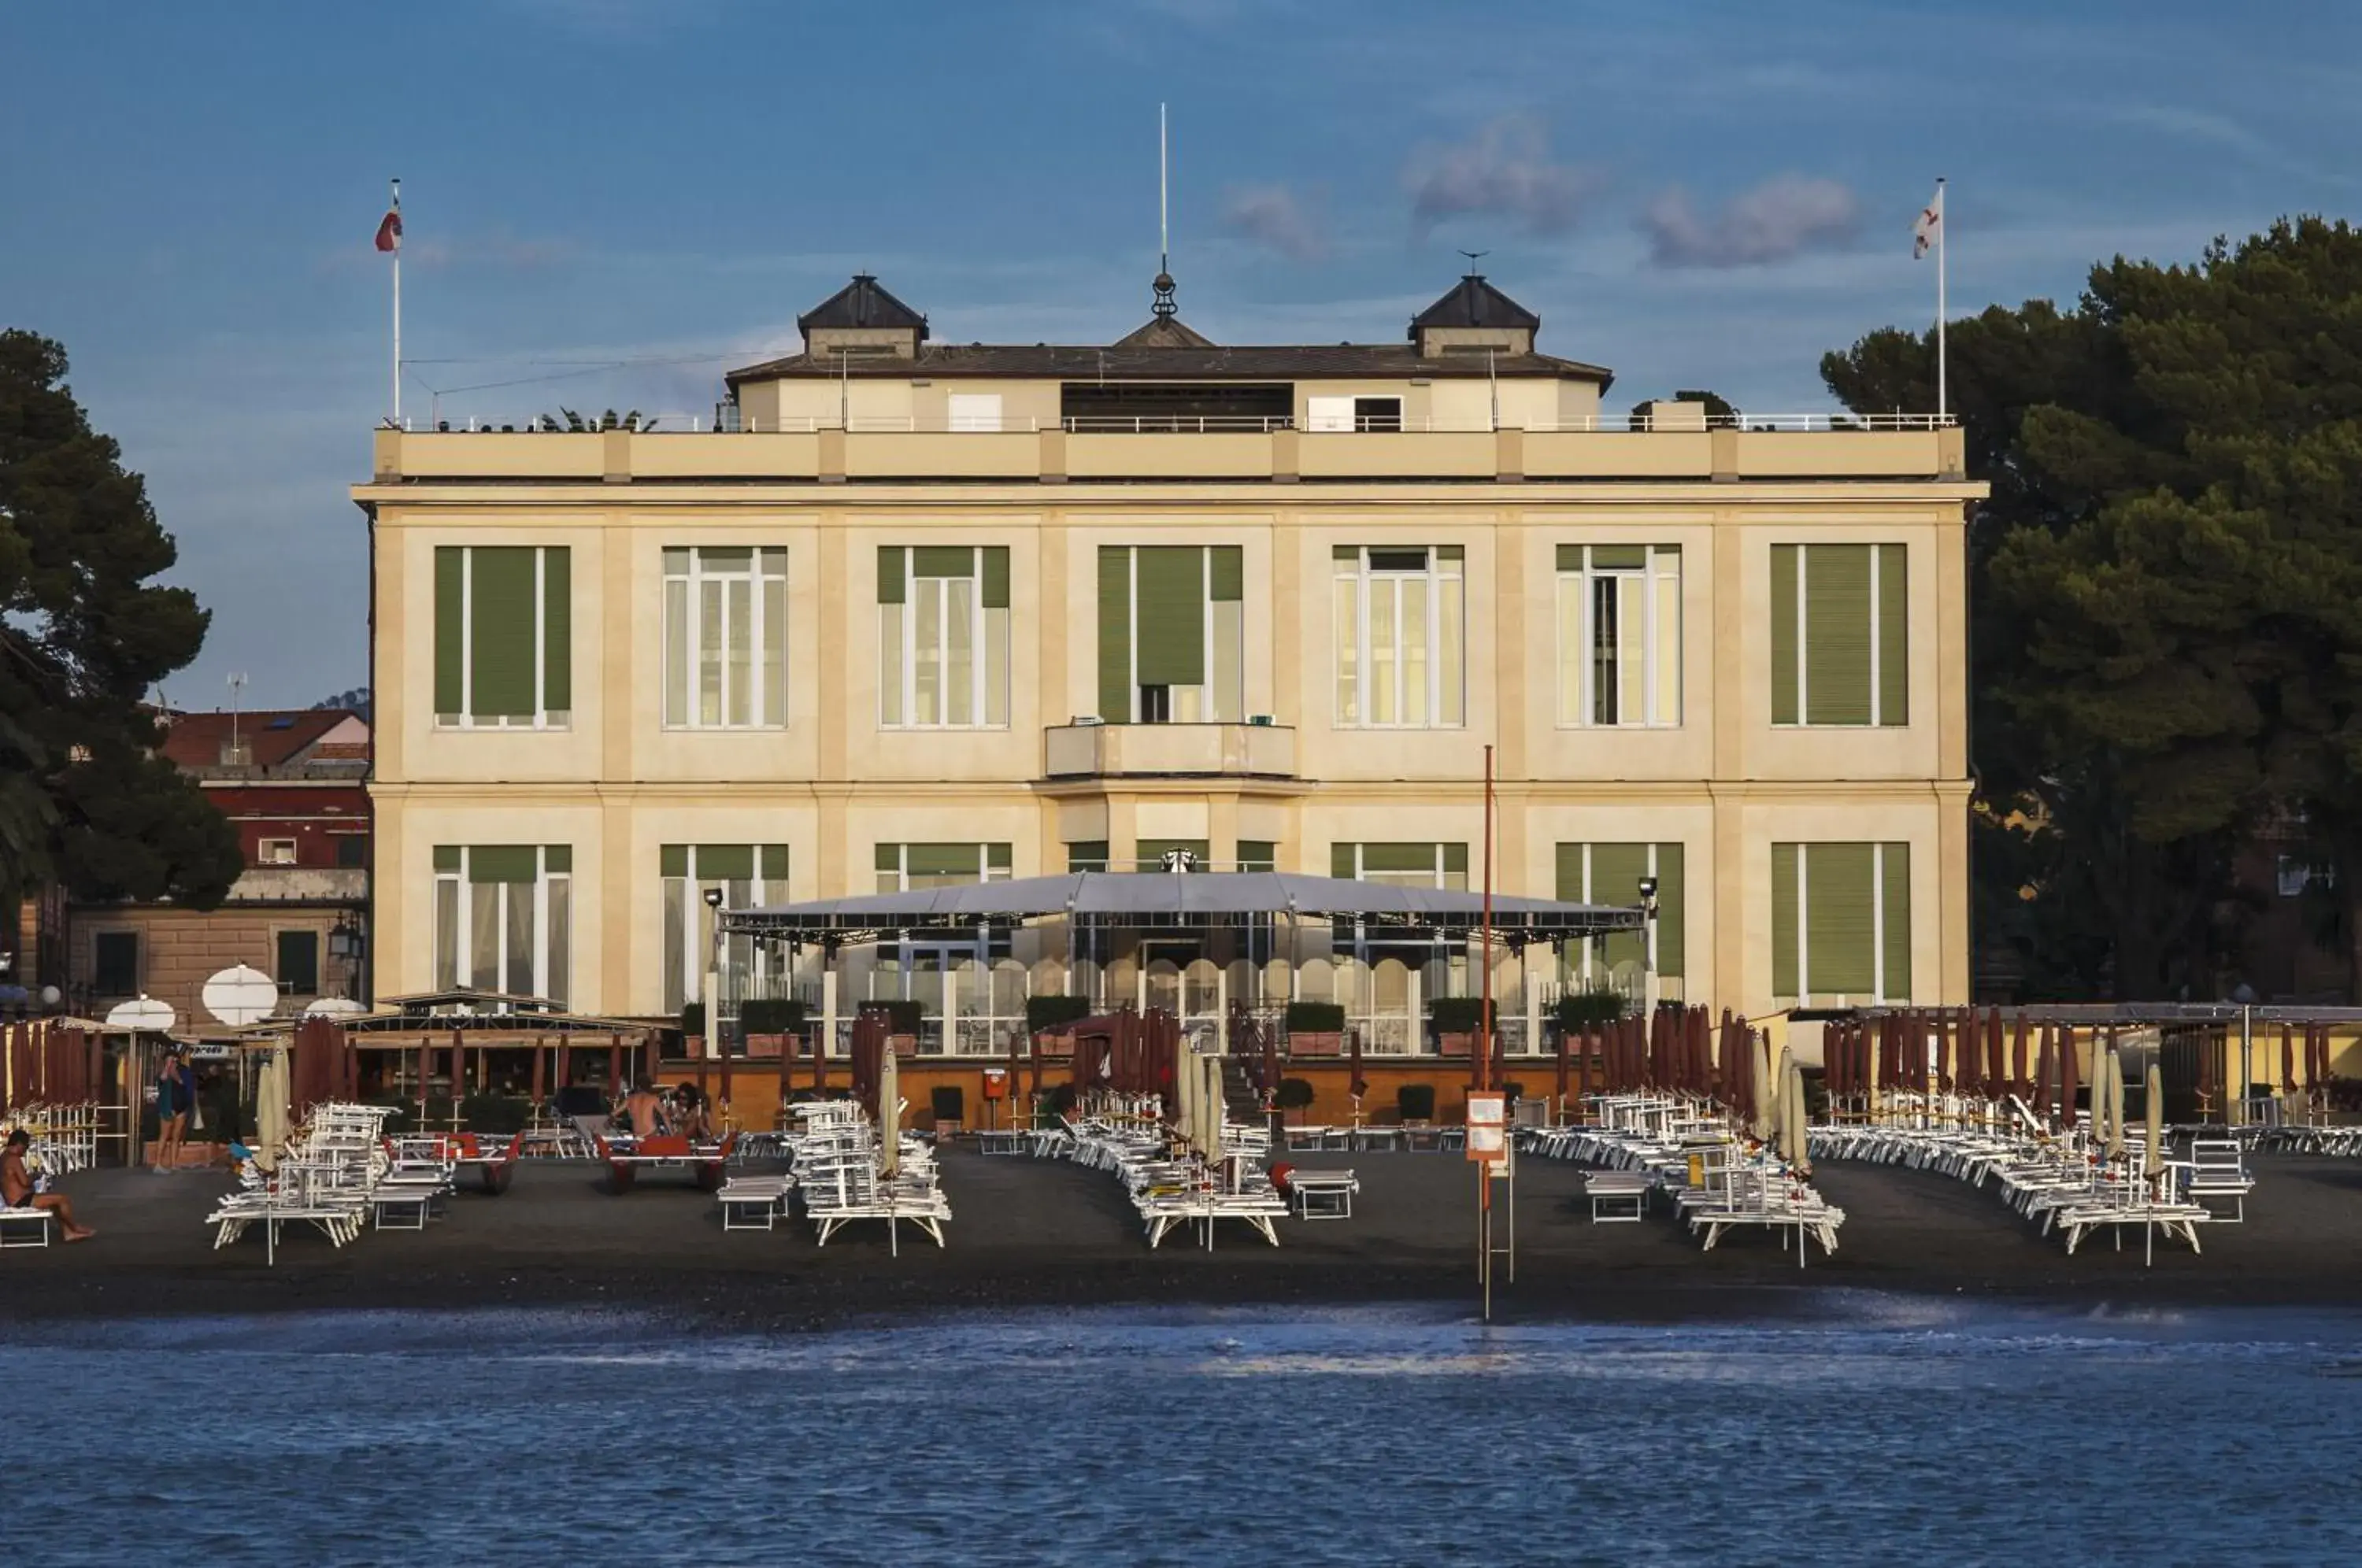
(1213, 1068)
(2155, 1098)
(889, 1113)
(1767, 1092)
(2288, 1061)
(2115, 1106)
(1799, 1150)
(270, 1110)
(1357, 1085)
(2067, 1076)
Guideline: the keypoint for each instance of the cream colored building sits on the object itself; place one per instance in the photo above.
(928, 611)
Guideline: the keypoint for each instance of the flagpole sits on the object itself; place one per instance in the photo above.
(397, 310)
(1943, 388)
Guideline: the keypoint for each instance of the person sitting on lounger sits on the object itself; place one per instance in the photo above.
(690, 1115)
(644, 1112)
(17, 1187)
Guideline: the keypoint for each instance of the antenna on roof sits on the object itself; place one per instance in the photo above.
(1474, 256)
(1164, 307)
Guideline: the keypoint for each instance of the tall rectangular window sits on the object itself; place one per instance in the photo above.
(1610, 874)
(903, 866)
(1403, 864)
(114, 963)
(298, 955)
(1258, 854)
(1840, 635)
(503, 636)
(1620, 635)
(503, 917)
(747, 876)
(1087, 855)
(726, 631)
(943, 636)
(1397, 616)
(1841, 921)
(1172, 634)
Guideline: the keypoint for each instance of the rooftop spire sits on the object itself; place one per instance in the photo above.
(1163, 309)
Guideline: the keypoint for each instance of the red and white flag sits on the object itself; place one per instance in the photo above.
(388, 233)
(1926, 231)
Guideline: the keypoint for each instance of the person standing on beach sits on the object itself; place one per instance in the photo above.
(16, 1188)
(172, 1111)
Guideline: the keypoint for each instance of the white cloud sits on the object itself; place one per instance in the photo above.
(1505, 169)
(1784, 217)
(1274, 217)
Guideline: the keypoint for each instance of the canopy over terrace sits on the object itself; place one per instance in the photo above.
(454, 1034)
(1257, 937)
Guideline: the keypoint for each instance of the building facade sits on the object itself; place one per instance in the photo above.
(294, 786)
(918, 612)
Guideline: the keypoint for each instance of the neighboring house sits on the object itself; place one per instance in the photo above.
(294, 786)
(924, 613)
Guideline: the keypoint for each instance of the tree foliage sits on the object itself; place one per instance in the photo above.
(85, 632)
(2165, 651)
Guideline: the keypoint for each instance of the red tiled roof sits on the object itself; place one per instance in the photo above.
(195, 740)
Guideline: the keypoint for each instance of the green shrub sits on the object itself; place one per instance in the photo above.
(1416, 1102)
(1315, 1018)
(1458, 1015)
(1051, 1013)
(772, 1015)
(901, 1016)
(692, 1019)
(1294, 1094)
(1581, 1010)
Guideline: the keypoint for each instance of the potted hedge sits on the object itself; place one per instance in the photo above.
(1457, 1021)
(1294, 1094)
(902, 1018)
(1315, 1029)
(1579, 1011)
(1415, 1104)
(768, 1022)
(692, 1029)
(1051, 1021)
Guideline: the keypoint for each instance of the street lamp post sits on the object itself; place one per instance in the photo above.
(713, 975)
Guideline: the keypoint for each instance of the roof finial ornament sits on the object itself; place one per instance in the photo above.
(1474, 256)
(1163, 308)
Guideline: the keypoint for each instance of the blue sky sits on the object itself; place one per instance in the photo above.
(634, 195)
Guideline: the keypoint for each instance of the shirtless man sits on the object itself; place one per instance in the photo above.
(17, 1187)
(643, 1112)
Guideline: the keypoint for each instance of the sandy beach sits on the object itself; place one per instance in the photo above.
(1033, 1232)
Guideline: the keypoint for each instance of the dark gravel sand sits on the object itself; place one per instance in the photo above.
(1033, 1232)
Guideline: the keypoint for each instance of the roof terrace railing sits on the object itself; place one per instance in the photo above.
(1206, 425)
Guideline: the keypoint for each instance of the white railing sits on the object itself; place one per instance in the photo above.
(1206, 425)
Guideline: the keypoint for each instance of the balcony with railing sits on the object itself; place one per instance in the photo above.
(1132, 751)
(1181, 447)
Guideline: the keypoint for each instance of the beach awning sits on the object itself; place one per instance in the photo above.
(1170, 898)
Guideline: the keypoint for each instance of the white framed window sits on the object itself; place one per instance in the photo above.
(1326, 413)
(1398, 613)
(1172, 634)
(1412, 865)
(503, 636)
(975, 411)
(1841, 923)
(1840, 635)
(726, 631)
(943, 636)
(904, 867)
(275, 851)
(503, 917)
(1619, 636)
(1611, 874)
(748, 876)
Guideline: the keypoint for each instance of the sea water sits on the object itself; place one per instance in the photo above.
(1889, 1430)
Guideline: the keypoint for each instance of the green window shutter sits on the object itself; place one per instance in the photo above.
(1616, 873)
(1783, 637)
(1230, 573)
(555, 858)
(1569, 874)
(1837, 635)
(1672, 952)
(1171, 590)
(1341, 861)
(446, 857)
(1628, 558)
(942, 560)
(503, 863)
(1398, 858)
(1115, 634)
(946, 859)
(889, 574)
(1570, 557)
(500, 633)
(451, 627)
(890, 857)
(1784, 922)
(1087, 855)
(1839, 919)
(672, 860)
(1258, 854)
(1894, 635)
(1455, 859)
(557, 629)
(771, 863)
(998, 856)
(1894, 872)
(995, 577)
(725, 862)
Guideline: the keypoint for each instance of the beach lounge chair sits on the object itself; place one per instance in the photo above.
(25, 1227)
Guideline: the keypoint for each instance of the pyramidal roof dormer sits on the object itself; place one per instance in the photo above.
(863, 319)
(1472, 314)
